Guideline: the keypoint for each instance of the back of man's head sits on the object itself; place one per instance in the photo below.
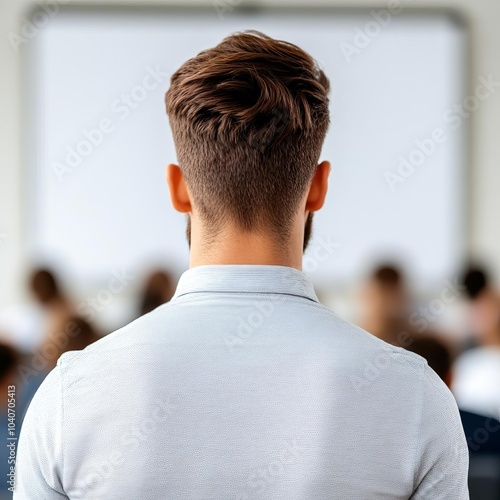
(249, 118)
(44, 285)
(475, 279)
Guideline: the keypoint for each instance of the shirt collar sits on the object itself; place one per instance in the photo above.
(246, 279)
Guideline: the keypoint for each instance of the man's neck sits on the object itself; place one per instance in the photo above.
(251, 248)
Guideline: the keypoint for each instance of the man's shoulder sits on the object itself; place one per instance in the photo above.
(328, 338)
(367, 344)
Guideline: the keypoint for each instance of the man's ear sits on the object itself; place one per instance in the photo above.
(319, 187)
(179, 194)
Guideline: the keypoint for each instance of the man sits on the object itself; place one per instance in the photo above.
(9, 361)
(386, 304)
(476, 373)
(243, 386)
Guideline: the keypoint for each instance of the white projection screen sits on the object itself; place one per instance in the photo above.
(99, 139)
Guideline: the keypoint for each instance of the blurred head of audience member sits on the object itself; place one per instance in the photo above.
(45, 287)
(158, 288)
(476, 373)
(385, 303)
(484, 307)
(50, 296)
(8, 364)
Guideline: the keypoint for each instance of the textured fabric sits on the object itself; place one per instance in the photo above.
(243, 386)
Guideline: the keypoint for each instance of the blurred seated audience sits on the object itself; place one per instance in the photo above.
(386, 304)
(26, 325)
(8, 365)
(158, 288)
(483, 300)
(47, 291)
(15, 398)
(476, 374)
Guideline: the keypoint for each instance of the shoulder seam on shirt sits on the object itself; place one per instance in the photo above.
(51, 484)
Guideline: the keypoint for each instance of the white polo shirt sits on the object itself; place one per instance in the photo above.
(242, 387)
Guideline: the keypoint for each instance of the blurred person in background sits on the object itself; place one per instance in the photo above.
(158, 288)
(26, 326)
(8, 379)
(386, 304)
(476, 373)
(47, 291)
(482, 301)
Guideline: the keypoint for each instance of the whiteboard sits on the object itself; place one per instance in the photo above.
(391, 90)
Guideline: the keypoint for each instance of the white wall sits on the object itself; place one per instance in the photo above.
(481, 15)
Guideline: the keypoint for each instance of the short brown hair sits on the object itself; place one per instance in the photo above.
(249, 118)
